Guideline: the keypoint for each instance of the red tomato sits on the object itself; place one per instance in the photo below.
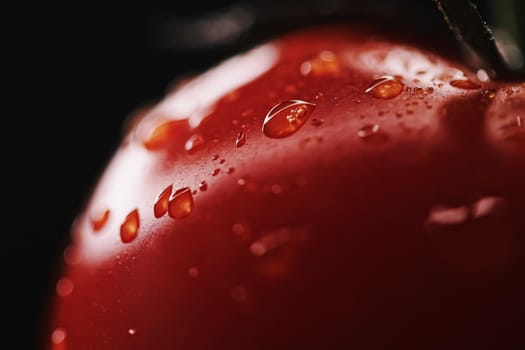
(336, 188)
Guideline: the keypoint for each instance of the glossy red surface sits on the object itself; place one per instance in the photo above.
(386, 219)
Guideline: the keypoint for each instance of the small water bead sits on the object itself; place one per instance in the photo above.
(446, 215)
(203, 186)
(132, 331)
(246, 112)
(99, 220)
(162, 135)
(161, 203)
(488, 206)
(230, 170)
(286, 118)
(386, 87)
(193, 143)
(465, 84)
(193, 272)
(317, 122)
(290, 89)
(64, 287)
(482, 75)
(241, 140)
(325, 63)
(269, 242)
(215, 172)
(130, 227)
(180, 203)
(276, 189)
(215, 157)
(58, 338)
(239, 293)
(372, 133)
(239, 229)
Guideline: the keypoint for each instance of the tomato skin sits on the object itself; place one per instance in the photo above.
(320, 238)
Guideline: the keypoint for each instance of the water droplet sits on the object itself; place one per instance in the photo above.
(132, 331)
(161, 203)
(270, 242)
(193, 143)
(232, 96)
(317, 122)
(130, 227)
(239, 293)
(99, 220)
(241, 139)
(193, 272)
(215, 172)
(326, 62)
(465, 84)
(446, 216)
(222, 160)
(239, 229)
(246, 112)
(372, 133)
(180, 203)
(488, 206)
(241, 182)
(385, 87)
(215, 157)
(291, 89)
(230, 170)
(64, 287)
(203, 186)
(58, 338)
(286, 118)
(276, 189)
(429, 90)
(482, 75)
(161, 136)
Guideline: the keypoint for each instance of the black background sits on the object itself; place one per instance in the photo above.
(74, 74)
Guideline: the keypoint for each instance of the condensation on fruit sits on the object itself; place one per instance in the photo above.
(58, 339)
(162, 135)
(180, 203)
(285, 118)
(193, 272)
(372, 133)
(99, 219)
(240, 140)
(161, 202)
(130, 227)
(465, 84)
(193, 143)
(269, 242)
(386, 87)
(64, 287)
(324, 63)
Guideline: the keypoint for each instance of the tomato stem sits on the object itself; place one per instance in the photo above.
(475, 38)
